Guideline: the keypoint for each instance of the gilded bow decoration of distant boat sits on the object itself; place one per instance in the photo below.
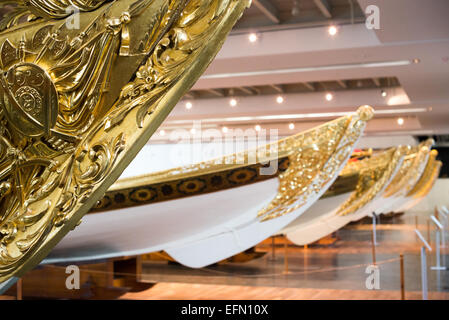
(374, 174)
(77, 104)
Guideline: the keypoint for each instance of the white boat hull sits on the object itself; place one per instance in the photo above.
(235, 238)
(148, 228)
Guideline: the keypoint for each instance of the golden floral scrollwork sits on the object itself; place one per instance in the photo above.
(426, 177)
(411, 170)
(375, 173)
(68, 126)
(47, 8)
(316, 158)
(433, 177)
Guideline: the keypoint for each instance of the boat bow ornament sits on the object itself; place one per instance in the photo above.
(316, 157)
(426, 176)
(77, 104)
(410, 171)
(374, 175)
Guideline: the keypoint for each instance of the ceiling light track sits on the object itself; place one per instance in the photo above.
(381, 64)
(297, 116)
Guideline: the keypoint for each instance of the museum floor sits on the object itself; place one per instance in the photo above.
(335, 271)
(336, 268)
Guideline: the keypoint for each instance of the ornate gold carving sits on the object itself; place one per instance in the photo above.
(374, 175)
(48, 9)
(410, 171)
(427, 177)
(316, 158)
(334, 139)
(433, 177)
(73, 113)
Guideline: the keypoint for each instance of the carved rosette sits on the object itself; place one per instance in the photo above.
(69, 125)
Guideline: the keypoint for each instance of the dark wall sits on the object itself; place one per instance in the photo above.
(443, 155)
(442, 146)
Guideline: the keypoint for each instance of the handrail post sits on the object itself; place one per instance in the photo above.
(440, 227)
(424, 273)
(401, 258)
(374, 229)
(423, 263)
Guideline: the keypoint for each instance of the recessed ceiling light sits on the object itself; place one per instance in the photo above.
(224, 129)
(416, 60)
(189, 105)
(257, 127)
(252, 37)
(329, 96)
(233, 102)
(280, 99)
(400, 121)
(291, 126)
(332, 30)
(192, 131)
(383, 93)
(162, 132)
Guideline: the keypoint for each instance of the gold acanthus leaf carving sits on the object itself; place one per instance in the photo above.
(433, 177)
(61, 95)
(410, 171)
(316, 158)
(50, 9)
(375, 173)
(427, 175)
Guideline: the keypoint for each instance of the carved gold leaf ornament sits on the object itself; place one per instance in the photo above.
(432, 178)
(49, 9)
(427, 177)
(410, 171)
(78, 104)
(374, 175)
(316, 157)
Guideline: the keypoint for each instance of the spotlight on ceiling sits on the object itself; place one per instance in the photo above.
(257, 127)
(416, 60)
(280, 99)
(329, 96)
(189, 105)
(253, 37)
(400, 121)
(291, 126)
(332, 30)
(192, 131)
(383, 93)
(224, 129)
(233, 102)
(162, 133)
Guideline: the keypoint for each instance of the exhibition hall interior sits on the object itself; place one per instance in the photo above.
(224, 150)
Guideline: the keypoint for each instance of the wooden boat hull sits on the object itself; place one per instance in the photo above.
(225, 222)
(149, 228)
(325, 216)
(236, 238)
(318, 222)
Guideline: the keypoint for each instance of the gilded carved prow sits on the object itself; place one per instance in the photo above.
(77, 104)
